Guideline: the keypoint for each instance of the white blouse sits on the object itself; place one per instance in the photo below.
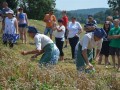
(60, 34)
(73, 29)
(10, 26)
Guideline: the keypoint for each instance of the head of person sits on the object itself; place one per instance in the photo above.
(73, 19)
(20, 9)
(106, 25)
(5, 4)
(32, 31)
(90, 18)
(116, 23)
(116, 13)
(10, 13)
(64, 12)
(60, 22)
(109, 18)
(51, 12)
(99, 33)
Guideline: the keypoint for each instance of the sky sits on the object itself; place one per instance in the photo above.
(80, 4)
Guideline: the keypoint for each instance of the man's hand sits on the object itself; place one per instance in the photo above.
(24, 53)
(90, 66)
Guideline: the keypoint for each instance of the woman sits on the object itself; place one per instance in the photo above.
(74, 29)
(105, 45)
(44, 45)
(59, 37)
(84, 48)
(23, 23)
(10, 29)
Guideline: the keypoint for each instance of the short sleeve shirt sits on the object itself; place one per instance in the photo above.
(60, 34)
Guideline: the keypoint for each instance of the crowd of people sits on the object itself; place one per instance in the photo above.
(93, 45)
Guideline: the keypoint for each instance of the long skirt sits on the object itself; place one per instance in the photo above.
(79, 59)
(10, 37)
(51, 55)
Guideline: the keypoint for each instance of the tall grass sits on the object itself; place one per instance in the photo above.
(18, 72)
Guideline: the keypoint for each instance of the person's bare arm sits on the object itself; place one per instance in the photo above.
(84, 54)
(31, 52)
(16, 25)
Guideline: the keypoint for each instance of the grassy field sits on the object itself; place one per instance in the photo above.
(18, 72)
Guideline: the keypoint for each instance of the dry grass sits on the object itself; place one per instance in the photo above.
(20, 73)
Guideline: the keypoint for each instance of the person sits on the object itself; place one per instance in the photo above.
(59, 37)
(4, 10)
(49, 19)
(90, 25)
(114, 36)
(116, 15)
(10, 33)
(22, 23)
(74, 29)
(83, 50)
(110, 19)
(105, 45)
(65, 22)
(45, 46)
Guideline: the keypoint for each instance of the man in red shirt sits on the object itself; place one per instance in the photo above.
(65, 22)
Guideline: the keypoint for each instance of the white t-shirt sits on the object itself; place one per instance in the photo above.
(60, 34)
(41, 41)
(73, 29)
(88, 42)
(10, 26)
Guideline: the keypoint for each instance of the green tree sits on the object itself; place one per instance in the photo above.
(36, 9)
(114, 4)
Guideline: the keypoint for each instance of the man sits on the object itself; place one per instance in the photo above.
(65, 22)
(4, 10)
(116, 15)
(83, 50)
(50, 20)
(114, 36)
(90, 25)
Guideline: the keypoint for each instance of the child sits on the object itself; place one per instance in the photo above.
(114, 36)
(11, 29)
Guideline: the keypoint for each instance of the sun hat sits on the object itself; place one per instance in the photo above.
(32, 29)
(10, 11)
(100, 33)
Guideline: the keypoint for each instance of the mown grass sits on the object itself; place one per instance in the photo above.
(18, 72)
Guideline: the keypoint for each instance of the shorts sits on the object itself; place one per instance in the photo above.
(114, 51)
(66, 33)
(22, 25)
(48, 30)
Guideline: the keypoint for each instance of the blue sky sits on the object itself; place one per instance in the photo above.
(80, 4)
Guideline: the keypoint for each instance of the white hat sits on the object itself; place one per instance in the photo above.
(10, 11)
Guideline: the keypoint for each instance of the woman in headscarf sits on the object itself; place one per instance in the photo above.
(44, 45)
(83, 51)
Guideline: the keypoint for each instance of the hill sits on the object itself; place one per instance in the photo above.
(18, 72)
(91, 11)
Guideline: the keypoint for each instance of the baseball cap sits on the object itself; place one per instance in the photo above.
(10, 11)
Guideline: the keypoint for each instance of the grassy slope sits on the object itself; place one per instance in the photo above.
(18, 72)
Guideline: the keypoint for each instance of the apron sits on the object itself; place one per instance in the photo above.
(80, 62)
(51, 54)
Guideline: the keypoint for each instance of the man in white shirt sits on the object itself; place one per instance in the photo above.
(44, 45)
(83, 53)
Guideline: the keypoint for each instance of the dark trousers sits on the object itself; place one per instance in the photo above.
(59, 44)
(73, 41)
